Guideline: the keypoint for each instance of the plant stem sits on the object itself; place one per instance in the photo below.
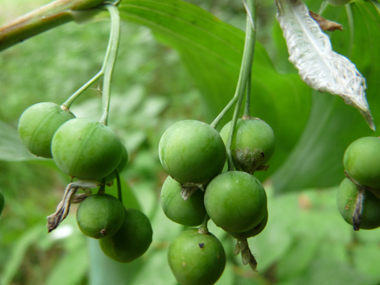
(246, 67)
(110, 59)
(77, 93)
(119, 193)
(107, 67)
(203, 228)
(42, 19)
(247, 109)
(251, 19)
(102, 188)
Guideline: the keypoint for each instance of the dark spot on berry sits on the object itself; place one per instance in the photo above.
(262, 154)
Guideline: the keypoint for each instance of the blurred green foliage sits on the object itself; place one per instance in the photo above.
(167, 72)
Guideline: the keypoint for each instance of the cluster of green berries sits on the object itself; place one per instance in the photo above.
(88, 150)
(194, 154)
(358, 196)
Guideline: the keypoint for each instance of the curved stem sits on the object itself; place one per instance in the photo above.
(107, 67)
(251, 17)
(77, 93)
(110, 59)
(217, 120)
(246, 67)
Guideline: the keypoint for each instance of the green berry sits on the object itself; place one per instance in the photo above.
(190, 212)
(131, 241)
(38, 124)
(362, 163)
(100, 215)
(86, 149)
(236, 201)
(346, 199)
(192, 152)
(252, 145)
(120, 167)
(254, 231)
(196, 258)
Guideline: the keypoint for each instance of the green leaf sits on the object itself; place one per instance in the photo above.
(104, 270)
(19, 248)
(297, 259)
(327, 270)
(365, 265)
(11, 147)
(71, 268)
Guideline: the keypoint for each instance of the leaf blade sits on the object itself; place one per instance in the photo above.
(318, 65)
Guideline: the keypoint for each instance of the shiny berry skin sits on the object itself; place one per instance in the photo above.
(253, 143)
(196, 258)
(346, 199)
(254, 231)
(188, 213)
(362, 161)
(38, 124)
(100, 215)
(131, 241)
(86, 149)
(236, 201)
(192, 152)
(120, 167)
